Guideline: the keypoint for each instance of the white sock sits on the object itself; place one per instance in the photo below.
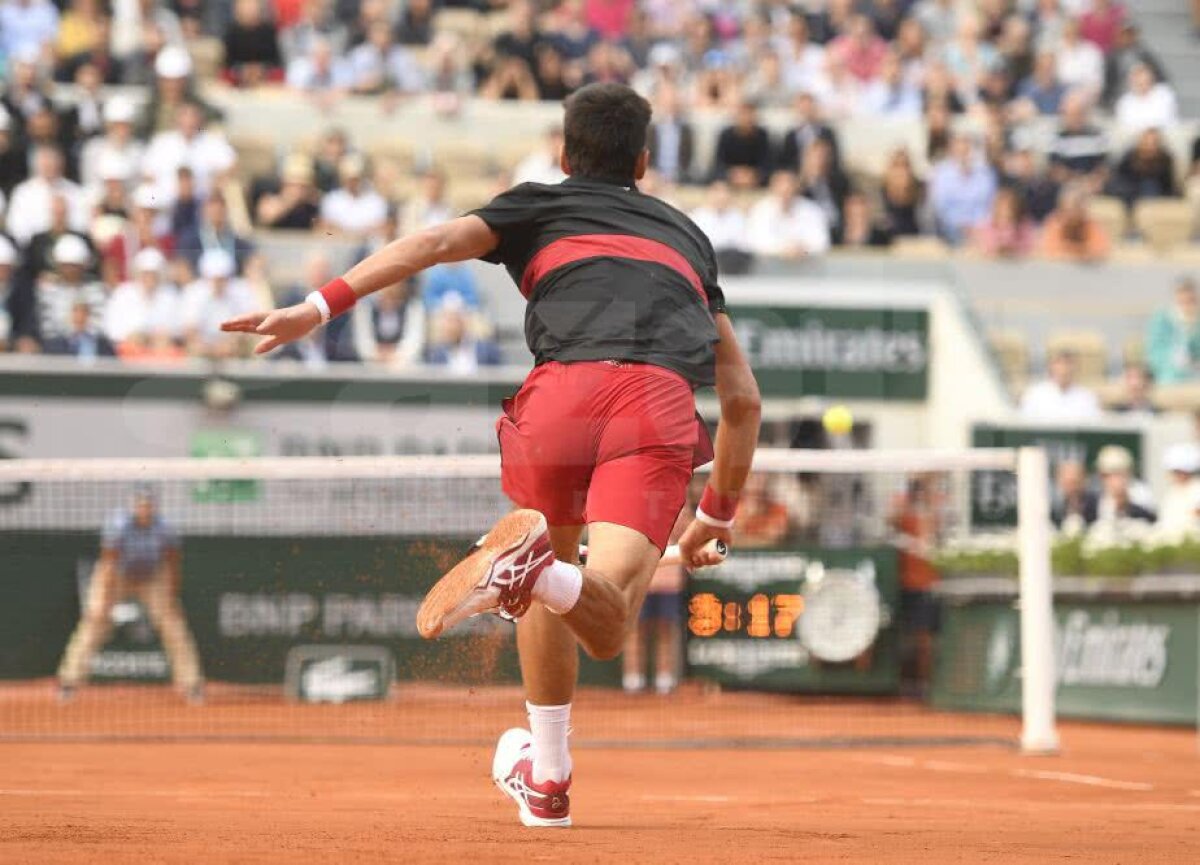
(558, 587)
(549, 726)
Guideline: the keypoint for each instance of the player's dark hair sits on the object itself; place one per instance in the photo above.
(604, 131)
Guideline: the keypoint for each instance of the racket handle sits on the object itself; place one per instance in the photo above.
(671, 554)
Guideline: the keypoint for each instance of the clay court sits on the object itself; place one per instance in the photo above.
(1115, 795)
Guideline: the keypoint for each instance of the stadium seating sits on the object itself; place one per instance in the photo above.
(1090, 349)
(1110, 213)
(1166, 223)
(1011, 351)
(923, 248)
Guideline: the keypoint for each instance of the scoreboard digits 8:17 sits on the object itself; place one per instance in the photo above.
(762, 615)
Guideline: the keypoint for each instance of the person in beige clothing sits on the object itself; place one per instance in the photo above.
(139, 558)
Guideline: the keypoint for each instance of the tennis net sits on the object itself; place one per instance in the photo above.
(299, 580)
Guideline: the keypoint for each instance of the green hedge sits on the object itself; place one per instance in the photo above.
(1072, 557)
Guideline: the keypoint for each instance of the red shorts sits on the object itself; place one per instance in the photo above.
(602, 441)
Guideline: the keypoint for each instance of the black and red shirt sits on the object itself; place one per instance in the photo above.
(609, 274)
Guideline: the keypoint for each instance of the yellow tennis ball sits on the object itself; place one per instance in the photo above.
(837, 420)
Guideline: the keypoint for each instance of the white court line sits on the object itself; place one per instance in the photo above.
(722, 800)
(885, 760)
(1087, 780)
(948, 766)
(221, 795)
(902, 801)
(183, 793)
(1037, 774)
(900, 762)
(1030, 806)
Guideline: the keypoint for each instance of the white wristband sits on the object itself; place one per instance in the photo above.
(318, 300)
(713, 521)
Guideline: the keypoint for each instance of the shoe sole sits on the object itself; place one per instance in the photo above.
(461, 594)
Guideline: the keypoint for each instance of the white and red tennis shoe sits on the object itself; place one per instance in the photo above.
(546, 804)
(497, 576)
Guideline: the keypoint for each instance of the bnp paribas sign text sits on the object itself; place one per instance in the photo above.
(837, 352)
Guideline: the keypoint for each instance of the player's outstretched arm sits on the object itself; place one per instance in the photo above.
(737, 437)
(456, 240)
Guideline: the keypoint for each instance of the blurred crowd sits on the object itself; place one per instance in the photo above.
(129, 234)
(129, 216)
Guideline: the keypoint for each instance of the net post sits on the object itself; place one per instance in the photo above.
(1038, 668)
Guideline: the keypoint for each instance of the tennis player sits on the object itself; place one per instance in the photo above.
(625, 320)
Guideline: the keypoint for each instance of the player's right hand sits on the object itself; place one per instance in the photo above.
(281, 326)
(692, 546)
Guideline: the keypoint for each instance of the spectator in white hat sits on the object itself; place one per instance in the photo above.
(207, 153)
(9, 259)
(29, 212)
(664, 65)
(173, 63)
(173, 86)
(58, 291)
(110, 194)
(1179, 517)
(116, 146)
(145, 314)
(354, 207)
(145, 229)
(1122, 497)
(216, 296)
(39, 252)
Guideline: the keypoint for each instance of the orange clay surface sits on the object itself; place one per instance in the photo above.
(1116, 794)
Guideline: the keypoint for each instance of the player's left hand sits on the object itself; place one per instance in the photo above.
(281, 326)
(693, 551)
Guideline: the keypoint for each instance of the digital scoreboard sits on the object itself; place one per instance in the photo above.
(804, 620)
